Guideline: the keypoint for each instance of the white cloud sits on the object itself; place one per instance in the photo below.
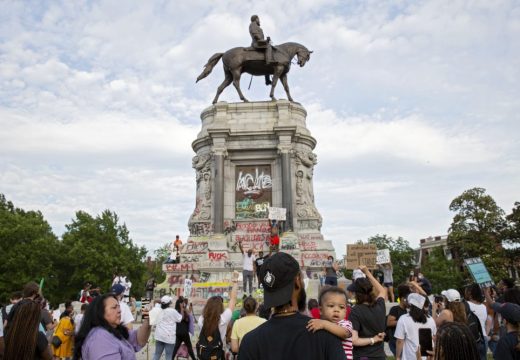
(411, 103)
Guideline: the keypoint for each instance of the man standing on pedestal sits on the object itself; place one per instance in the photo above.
(247, 266)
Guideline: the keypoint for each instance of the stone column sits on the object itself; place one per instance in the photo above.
(284, 149)
(287, 189)
(219, 152)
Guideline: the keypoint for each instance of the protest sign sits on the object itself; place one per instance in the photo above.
(479, 272)
(361, 254)
(277, 213)
(187, 288)
(383, 256)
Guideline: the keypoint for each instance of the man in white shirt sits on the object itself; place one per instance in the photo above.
(126, 314)
(247, 269)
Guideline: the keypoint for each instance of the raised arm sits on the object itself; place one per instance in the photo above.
(379, 289)
(240, 247)
(319, 324)
(234, 291)
(143, 333)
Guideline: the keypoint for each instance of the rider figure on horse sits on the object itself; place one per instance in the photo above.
(259, 42)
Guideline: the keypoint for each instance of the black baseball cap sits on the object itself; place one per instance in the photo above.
(509, 311)
(277, 276)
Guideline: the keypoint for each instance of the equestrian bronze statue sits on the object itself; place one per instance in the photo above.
(261, 59)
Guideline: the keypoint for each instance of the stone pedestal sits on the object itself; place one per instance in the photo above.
(250, 156)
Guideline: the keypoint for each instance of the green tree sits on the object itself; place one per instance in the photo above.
(401, 254)
(161, 255)
(442, 273)
(477, 230)
(96, 248)
(29, 250)
(512, 236)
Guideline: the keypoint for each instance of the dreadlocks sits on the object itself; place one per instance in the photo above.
(455, 342)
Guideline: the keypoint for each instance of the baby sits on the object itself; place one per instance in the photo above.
(333, 308)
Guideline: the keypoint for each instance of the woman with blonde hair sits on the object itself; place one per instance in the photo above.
(454, 310)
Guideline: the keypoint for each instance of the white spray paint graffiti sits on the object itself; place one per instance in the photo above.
(253, 184)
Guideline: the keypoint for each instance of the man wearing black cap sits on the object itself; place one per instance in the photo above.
(285, 335)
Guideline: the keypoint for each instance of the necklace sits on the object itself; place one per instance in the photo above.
(285, 312)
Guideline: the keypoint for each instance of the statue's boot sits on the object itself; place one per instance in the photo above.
(268, 80)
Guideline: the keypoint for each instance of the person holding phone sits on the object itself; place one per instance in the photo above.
(414, 329)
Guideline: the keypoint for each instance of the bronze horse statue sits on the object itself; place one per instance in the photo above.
(246, 60)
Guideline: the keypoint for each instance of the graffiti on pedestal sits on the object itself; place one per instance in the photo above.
(252, 192)
(316, 258)
(288, 244)
(200, 228)
(179, 267)
(195, 247)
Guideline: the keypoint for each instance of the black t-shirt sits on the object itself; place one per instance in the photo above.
(259, 262)
(286, 337)
(426, 285)
(41, 345)
(397, 312)
(183, 327)
(506, 347)
(369, 321)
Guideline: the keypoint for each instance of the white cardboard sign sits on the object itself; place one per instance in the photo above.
(383, 256)
(277, 213)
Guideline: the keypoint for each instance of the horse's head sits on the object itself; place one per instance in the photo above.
(303, 56)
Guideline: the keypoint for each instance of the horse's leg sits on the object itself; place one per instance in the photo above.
(225, 84)
(286, 86)
(276, 75)
(236, 82)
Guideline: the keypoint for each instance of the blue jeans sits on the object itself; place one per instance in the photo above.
(392, 344)
(159, 347)
(482, 350)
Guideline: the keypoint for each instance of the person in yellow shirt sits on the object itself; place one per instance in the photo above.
(244, 325)
(65, 331)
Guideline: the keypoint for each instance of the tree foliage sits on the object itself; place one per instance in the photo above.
(161, 255)
(512, 233)
(442, 273)
(28, 247)
(477, 230)
(401, 254)
(92, 249)
(96, 249)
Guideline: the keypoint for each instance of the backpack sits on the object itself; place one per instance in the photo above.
(210, 347)
(474, 324)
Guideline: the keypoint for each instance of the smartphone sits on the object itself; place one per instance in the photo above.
(425, 341)
(439, 298)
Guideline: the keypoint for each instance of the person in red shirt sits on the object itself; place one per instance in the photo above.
(314, 309)
(275, 239)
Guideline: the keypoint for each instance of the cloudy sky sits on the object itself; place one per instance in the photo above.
(411, 102)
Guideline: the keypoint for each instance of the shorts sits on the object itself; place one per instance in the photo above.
(331, 280)
(389, 284)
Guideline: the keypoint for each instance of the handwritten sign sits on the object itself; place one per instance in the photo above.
(479, 272)
(277, 213)
(383, 256)
(361, 254)
(187, 287)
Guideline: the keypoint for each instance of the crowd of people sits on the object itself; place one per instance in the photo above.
(350, 323)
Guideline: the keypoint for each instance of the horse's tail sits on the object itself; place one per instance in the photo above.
(209, 66)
